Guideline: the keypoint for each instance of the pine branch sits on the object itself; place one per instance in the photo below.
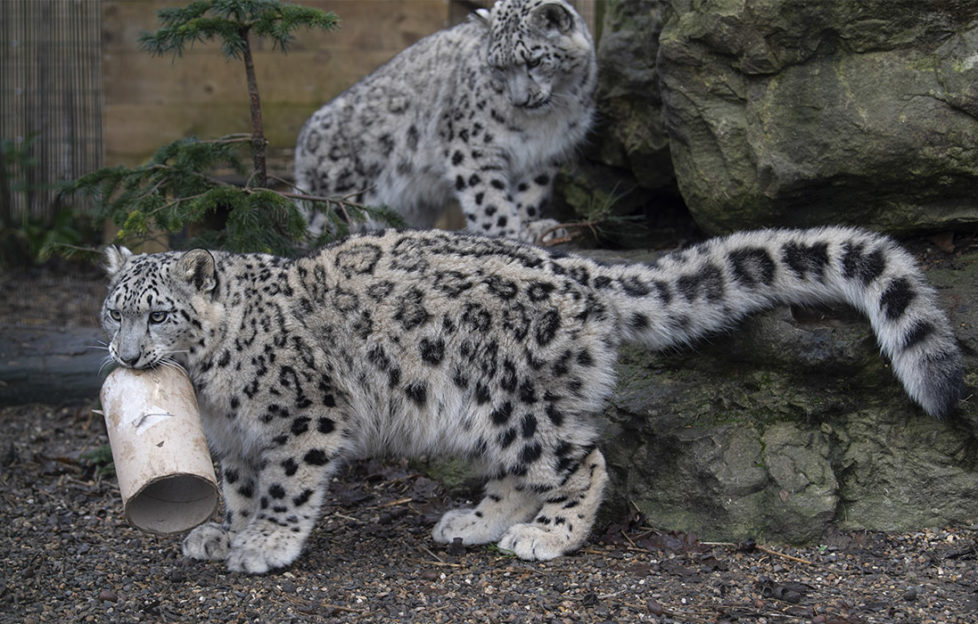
(176, 190)
(234, 22)
(231, 21)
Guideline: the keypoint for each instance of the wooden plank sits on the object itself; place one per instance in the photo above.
(373, 24)
(310, 76)
(150, 100)
(137, 130)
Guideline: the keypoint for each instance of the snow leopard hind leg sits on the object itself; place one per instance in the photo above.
(505, 503)
(534, 522)
(564, 521)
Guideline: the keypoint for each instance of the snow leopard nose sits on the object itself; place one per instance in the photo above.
(127, 355)
(520, 92)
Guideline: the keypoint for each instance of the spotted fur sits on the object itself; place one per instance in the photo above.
(483, 112)
(438, 343)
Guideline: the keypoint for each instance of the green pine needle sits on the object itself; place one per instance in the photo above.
(231, 21)
(178, 189)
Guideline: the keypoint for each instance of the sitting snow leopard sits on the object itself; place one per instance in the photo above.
(484, 112)
(413, 343)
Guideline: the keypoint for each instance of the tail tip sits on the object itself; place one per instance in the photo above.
(944, 389)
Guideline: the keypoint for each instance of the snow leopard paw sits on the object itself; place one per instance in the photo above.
(256, 551)
(209, 542)
(540, 543)
(469, 525)
(542, 231)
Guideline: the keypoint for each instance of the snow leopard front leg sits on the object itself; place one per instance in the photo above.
(289, 492)
(533, 192)
(212, 540)
(488, 197)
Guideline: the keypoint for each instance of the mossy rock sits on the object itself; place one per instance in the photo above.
(792, 424)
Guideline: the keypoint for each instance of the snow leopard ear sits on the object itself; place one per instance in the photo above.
(116, 257)
(552, 17)
(197, 267)
(482, 15)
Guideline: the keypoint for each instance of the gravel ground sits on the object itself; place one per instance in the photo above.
(67, 554)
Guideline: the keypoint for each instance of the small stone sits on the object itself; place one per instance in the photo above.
(456, 548)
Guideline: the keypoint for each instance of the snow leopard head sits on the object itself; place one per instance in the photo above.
(157, 305)
(540, 52)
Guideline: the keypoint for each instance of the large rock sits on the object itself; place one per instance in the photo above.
(786, 112)
(790, 425)
(631, 133)
(801, 113)
(625, 167)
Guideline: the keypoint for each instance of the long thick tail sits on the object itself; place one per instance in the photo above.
(713, 285)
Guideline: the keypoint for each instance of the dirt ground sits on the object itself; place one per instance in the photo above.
(68, 555)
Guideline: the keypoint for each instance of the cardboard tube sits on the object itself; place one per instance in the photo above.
(164, 469)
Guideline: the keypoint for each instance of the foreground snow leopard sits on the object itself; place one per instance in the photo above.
(440, 343)
(483, 112)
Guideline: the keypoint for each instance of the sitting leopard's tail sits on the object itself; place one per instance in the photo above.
(713, 285)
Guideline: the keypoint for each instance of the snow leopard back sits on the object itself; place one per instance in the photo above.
(484, 112)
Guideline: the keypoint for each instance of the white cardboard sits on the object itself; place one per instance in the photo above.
(164, 469)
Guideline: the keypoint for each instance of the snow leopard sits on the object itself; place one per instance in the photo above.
(432, 343)
(484, 112)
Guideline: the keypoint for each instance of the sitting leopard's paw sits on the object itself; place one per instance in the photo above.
(542, 231)
(468, 525)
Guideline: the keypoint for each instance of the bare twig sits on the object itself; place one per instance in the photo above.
(238, 137)
(763, 549)
(394, 503)
(625, 535)
(782, 555)
(431, 554)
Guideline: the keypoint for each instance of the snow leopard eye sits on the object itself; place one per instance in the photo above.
(157, 316)
(534, 62)
(114, 315)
